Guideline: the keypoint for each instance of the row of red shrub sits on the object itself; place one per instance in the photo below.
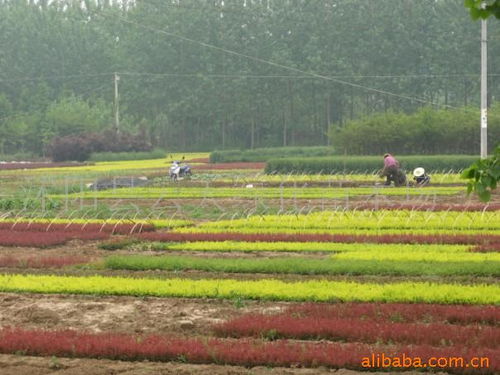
(41, 261)
(471, 239)
(489, 248)
(45, 239)
(226, 351)
(198, 160)
(228, 166)
(35, 165)
(118, 228)
(357, 330)
(399, 312)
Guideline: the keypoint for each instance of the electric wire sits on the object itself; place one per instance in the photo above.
(274, 64)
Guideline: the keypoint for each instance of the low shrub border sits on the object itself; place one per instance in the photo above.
(42, 261)
(466, 239)
(308, 266)
(226, 351)
(279, 246)
(116, 228)
(356, 330)
(399, 312)
(270, 289)
(46, 239)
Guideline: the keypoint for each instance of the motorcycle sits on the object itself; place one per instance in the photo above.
(179, 171)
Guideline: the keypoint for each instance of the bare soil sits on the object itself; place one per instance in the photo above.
(24, 365)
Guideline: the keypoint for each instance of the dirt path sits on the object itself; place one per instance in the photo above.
(24, 365)
(123, 314)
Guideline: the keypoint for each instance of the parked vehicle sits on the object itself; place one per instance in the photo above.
(179, 171)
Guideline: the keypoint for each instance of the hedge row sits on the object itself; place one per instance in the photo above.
(399, 312)
(91, 227)
(466, 239)
(264, 154)
(9, 261)
(46, 239)
(309, 246)
(243, 352)
(363, 164)
(457, 265)
(358, 330)
(427, 131)
(270, 289)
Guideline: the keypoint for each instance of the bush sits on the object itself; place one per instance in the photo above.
(79, 147)
(364, 164)
(427, 131)
(264, 154)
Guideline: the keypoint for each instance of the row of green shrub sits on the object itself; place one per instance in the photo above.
(264, 154)
(306, 266)
(363, 164)
(117, 156)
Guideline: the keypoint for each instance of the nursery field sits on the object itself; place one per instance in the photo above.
(239, 272)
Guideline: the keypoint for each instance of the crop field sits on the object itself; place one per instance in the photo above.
(234, 271)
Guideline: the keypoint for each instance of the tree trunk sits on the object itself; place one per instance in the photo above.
(252, 134)
(290, 99)
(284, 128)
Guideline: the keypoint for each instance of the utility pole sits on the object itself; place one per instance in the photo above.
(484, 89)
(117, 106)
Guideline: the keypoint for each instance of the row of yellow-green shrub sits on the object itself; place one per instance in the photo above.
(305, 247)
(259, 192)
(366, 219)
(314, 290)
(158, 223)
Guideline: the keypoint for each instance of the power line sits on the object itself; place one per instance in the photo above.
(215, 75)
(54, 77)
(249, 76)
(265, 76)
(274, 64)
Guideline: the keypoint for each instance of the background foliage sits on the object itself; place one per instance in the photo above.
(58, 61)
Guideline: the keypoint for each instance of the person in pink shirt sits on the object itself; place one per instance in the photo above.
(392, 171)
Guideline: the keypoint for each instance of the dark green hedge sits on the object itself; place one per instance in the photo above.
(362, 164)
(264, 154)
(425, 132)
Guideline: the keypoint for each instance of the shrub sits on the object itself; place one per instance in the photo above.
(41, 261)
(363, 164)
(79, 147)
(115, 228)
(427, 131)
(224, 166)
(402, 312)
(467, 239)
(458, 265)
(45, 239)
(265, 289)
(242, 352)
(357, 330)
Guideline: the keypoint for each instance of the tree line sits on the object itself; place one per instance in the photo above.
(267, 72)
